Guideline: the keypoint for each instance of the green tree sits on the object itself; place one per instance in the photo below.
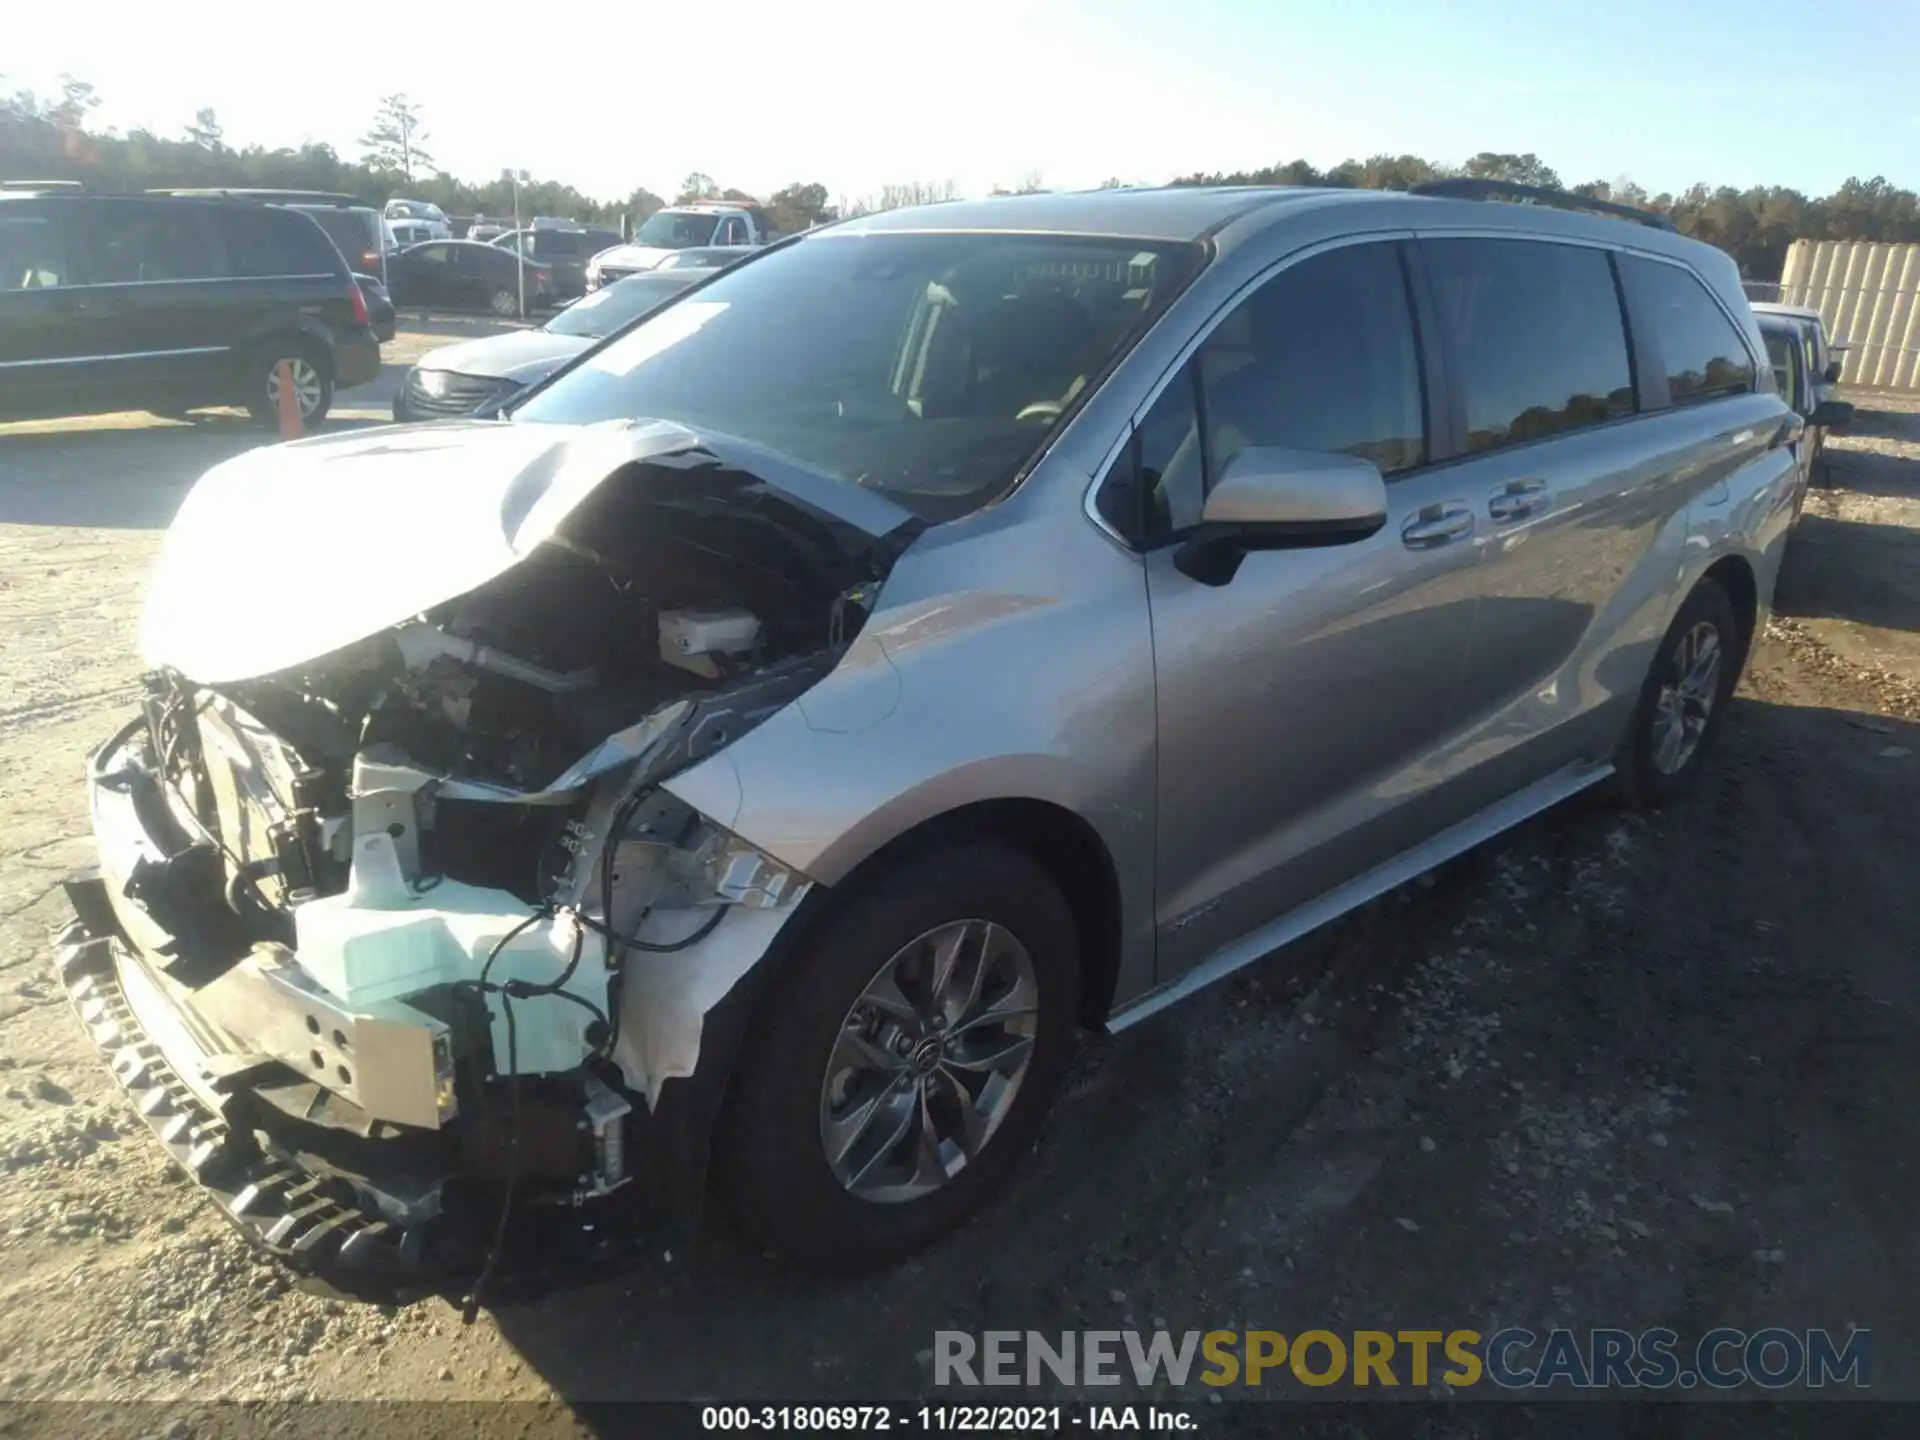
(696, 187)
(394, 142)
(799, 206)
(1526, 169)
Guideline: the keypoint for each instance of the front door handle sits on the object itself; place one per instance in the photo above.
(1435, 525)
(1518, 499)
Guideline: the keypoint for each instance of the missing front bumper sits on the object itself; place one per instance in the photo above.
(310, 1220)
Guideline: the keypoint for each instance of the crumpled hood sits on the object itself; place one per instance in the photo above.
(289, 552)
(523, 356)
(632, 257)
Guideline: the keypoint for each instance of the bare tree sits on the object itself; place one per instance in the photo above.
(76, 102)
(696, 187)
(205, 130)
(897, 195)
(394, 141)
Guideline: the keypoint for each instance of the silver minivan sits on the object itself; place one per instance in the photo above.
(763, 750)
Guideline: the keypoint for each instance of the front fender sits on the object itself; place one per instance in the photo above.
(1003, 662)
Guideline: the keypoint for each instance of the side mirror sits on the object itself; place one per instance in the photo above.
(1832, 415)
(1274, 499)
(1832, 373)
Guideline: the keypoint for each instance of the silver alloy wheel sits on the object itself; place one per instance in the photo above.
(505, 302)
(929, 1060)
(306, 385)
(1687, 694)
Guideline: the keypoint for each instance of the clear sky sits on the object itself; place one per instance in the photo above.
(855, 93)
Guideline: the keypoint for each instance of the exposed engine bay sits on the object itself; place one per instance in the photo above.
(437, 858)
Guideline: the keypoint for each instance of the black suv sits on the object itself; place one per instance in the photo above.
(111, 302)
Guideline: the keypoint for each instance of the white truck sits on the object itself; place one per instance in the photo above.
(722, 224)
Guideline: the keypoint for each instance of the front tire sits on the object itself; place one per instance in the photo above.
(1683, 701)
(905, 1060)
(312, 384)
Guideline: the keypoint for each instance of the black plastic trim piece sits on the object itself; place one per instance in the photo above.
(1516, 193)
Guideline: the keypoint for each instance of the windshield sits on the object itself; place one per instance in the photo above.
(928, 367)
(601, 312)
(671, 231)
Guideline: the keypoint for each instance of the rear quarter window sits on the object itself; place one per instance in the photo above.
(268, 242)
(1701, 352)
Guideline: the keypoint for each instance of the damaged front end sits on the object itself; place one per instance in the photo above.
(384, 934)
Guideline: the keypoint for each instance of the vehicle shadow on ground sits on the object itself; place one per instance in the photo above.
(1156, 1180)
(1156, 1128)
(1869, 423)
(1852, 570)
(126, 478)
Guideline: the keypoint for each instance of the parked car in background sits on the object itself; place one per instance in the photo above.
(357, 231)
(111, 302)
(709, 257)
(611, 266)
(565, 251)
(483, 374)
(485, 232)
(953, 630)
(684, 227)
(421, 212)
(402, 233)
(1793, 347)
(1820, 352)
(380, 311)
(466, 275)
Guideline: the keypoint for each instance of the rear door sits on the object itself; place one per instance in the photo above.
(1565, 498)
(43, 367)
(153, 321)
(1618, 379)
(1299, 703)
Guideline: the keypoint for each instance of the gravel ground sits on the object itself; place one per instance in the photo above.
(1609, 1070)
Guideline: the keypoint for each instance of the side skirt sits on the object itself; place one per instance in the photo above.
(1455, 840)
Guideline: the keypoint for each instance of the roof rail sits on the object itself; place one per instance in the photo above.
(61, 186)
(1518, 194)
(272, 197)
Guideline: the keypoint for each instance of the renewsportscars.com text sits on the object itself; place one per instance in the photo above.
(1772, 1358)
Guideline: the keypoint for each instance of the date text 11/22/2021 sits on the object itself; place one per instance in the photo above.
(945, 1419)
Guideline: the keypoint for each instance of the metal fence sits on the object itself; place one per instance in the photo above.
(1868, 295)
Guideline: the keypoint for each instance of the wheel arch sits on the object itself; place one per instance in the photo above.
(308, 333)
(1734, 574)
(1063, 843)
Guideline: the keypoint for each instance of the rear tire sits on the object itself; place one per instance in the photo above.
(506, 304)
(1683, 700)
(851, 1048)
(312, 382)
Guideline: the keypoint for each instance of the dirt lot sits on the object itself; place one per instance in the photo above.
(1607, 1071)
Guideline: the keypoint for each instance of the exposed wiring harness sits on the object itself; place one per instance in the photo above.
(508, 992)
(620, 944)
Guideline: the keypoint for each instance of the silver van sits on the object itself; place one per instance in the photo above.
(763, 750)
